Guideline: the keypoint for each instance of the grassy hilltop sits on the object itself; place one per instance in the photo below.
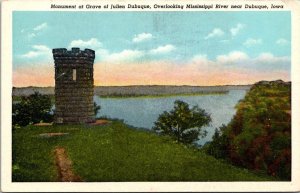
(116, 152)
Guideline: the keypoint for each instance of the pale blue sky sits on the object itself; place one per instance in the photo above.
(151, 36)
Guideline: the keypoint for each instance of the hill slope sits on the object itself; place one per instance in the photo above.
(259, 135)
(116, 152)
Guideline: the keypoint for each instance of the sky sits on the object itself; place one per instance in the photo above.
(156, 48)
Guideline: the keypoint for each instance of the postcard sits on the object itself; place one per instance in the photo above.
(150, 96)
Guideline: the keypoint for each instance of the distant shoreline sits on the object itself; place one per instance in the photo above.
(161, 95)
(152, 85)
(139, 91)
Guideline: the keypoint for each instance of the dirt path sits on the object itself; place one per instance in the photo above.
(64, 166)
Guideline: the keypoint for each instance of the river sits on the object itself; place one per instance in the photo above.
(142, 112)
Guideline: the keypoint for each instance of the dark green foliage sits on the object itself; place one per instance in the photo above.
(182, 123)
(96, 108)
(115, 152)
(218, 146)
(32, 109)
(259, 135)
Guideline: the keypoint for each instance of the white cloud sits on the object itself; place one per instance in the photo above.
(101, 53)
(251, 42)
(232, 58)
(241, 60)
(92, 43)
(105, 55)
(270, 58)
(199, 58)
(40, 27)
(42, 48)
(31, 35)
(37, 30)
(125, 55)
(217, 32)
(30, 54)
(142, 37)
(282, 42)
(38, 51)
(235, 30)
(163, 49)
(129, 55)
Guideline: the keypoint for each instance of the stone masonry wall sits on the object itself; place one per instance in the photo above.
(74, 85)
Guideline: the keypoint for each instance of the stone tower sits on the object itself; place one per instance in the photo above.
(74, 85)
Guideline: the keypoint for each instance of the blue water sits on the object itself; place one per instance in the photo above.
(143, 112)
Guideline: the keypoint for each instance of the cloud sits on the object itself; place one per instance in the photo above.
(199, 58)
(217, 32)
(123, 56)
(199, 72)
(104, 55)
(232, 58)
(252, 42)
(35, 31)
(38, 51)
(241, 60)
(31, 35)
(142, 37)
(264, 58)
(129, 55)
(282, 42)
(235, 30)
(40, 27)
(162, 49)
(92, 43)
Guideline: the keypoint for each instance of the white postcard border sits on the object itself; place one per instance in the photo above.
(6, 88)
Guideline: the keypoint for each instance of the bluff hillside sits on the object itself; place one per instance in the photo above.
(259, 135)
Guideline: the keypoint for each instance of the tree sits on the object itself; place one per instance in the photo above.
(183, 123)
(218, 146)
(32, 109)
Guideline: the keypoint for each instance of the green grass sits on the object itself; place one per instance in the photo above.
(116, 152)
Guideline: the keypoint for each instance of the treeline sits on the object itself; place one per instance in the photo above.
(259, 135)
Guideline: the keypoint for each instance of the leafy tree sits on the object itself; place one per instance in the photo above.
(32, 109)
(183, 123)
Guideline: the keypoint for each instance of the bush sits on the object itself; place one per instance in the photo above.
(32, 109)
(183, 123)
(96, 108)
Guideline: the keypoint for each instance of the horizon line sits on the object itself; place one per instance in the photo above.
(147, 85)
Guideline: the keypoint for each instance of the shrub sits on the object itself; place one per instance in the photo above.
(32, 109)
(96, 108)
